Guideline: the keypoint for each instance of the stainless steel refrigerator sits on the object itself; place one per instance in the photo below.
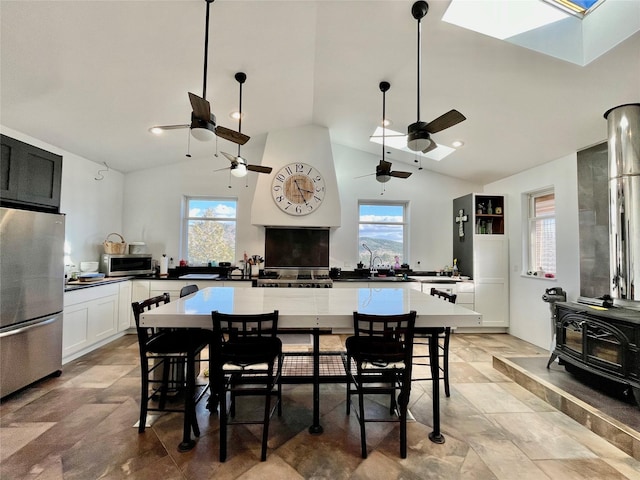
(31, 296)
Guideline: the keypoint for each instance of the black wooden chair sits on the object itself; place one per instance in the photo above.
(188, 290)
(158, 348)
(421, 338)
(248, 362)
(378, 361)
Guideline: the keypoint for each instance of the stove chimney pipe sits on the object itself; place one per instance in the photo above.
(623, 124)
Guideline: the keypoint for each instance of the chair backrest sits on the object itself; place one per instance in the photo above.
(144, 333)
(385, 338)
(450, 297)
(232, 326)
(246, 339)
(188, 290)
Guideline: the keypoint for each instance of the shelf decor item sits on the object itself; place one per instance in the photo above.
(115, 248)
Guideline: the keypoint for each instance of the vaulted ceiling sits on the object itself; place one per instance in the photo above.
(91, 77)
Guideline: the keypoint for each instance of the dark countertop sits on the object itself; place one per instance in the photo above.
(77, 285)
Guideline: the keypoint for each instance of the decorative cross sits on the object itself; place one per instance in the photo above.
(459, 219)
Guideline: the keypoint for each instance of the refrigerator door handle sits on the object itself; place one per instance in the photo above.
(29, 326)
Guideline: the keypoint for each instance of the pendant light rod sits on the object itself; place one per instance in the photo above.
(206, 50)
(240, 77)
(419, 10)
(384, 86)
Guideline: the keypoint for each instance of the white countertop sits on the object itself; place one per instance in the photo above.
(309, 307)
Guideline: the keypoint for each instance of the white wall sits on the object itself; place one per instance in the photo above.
(93, 208)
(529, 315)
(430, 198)
(153, 199)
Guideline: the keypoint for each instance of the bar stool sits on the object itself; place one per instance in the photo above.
(381, 352)
(158, 348)
(421, 338)
(248, 362)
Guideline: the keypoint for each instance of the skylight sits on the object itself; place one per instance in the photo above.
(577, 31)
(398, 141)
(501, 19)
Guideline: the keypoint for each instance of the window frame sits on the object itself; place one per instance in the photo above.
(530, 219)
(186, 218)
(405, 224)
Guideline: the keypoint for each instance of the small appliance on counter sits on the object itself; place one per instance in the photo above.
(126, 265)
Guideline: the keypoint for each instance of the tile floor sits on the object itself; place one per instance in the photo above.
(80, 426)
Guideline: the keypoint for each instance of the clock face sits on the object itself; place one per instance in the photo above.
(298, 189)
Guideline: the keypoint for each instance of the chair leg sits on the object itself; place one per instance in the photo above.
(144, 393)
(403, 401)
(166, 370)
(363, 435)
(348, 375)
(265, 426)
(222, 397)
(190, 420)
(445, 370)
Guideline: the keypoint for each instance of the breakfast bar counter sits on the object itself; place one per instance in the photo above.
(314, 309)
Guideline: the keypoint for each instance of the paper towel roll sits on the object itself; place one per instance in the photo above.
(164, 266)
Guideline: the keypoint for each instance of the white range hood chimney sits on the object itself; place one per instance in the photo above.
(310, 145)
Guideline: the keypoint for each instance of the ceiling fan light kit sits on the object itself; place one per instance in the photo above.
(203, 124)
(239, 169)
(418, 139)
(419, 133)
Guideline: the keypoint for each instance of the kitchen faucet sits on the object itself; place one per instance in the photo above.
(373, 269)
(370, 256)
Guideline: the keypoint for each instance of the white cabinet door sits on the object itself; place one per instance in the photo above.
(103, 314)
(172, 287)
(75, 328)
(124, 306)
(491, 299)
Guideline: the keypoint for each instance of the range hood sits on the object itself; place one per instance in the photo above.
(309, 145)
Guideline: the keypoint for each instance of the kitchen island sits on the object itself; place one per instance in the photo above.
(315, 309)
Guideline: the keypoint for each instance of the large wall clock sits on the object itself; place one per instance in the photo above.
(298, 189)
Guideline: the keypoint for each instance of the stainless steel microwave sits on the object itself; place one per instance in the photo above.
(125, 265)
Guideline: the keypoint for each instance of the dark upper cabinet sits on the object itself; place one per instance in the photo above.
(29, 176)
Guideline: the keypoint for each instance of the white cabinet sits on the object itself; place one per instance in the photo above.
(483, 253)
(124, 306)
(90, 319)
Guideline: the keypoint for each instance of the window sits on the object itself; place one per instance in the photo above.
(210, 229)
(382, 228)
(541, 231)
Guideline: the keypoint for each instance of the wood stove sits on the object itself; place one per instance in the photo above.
(601, 341)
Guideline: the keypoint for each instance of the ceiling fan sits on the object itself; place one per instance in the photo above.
(239, 165)
(383, 169)
(203, 124)
(419, 133)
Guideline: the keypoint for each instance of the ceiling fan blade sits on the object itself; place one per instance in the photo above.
(432, 146)
(201, 107)
(232, 135)
(231, 158)
(384, 165)
(449, 119)
(170, 127)
(387, 135)
(220, 169)
(367, 175)
(400, 174)
(259, 168)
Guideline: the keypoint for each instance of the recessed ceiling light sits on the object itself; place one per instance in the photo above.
(457, 143)
(156, 130)
(386, 122)
(236, 115)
